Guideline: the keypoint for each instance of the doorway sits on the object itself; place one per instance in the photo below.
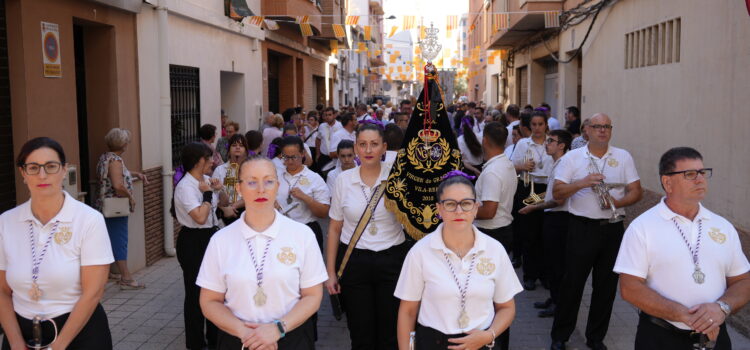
(7, 168)
(82, 111)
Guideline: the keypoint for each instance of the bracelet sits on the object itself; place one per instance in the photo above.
(492, 343)
(280, 326)
(208, 196)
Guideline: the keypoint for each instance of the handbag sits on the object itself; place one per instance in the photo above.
(115, 207)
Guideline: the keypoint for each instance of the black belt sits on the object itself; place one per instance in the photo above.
(687, 333)
(600, 222)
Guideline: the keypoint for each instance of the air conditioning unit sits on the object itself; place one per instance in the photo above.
(70, 184)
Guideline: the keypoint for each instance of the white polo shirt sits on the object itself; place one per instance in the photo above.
(509, 140)
(497, 183)
(81, 239)
(364, 117)
(311, 184)
(618, 168)
(310, 139)
(478, 127)
(553, 123)
(466, 154)
(348, 203)
(341, 135)
(187, 196)
(550, 187)
(325, 132)
(542, 160)
(294, 262)
(654, 249)
(331, 178)
(426, 277)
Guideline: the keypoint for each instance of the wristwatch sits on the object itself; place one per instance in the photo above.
(724, 307)
(282, 327)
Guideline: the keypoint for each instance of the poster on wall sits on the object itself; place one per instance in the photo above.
(51, 50)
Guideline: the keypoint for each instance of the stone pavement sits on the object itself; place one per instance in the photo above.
(152, 318)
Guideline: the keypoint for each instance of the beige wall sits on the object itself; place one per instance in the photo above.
(699, 102)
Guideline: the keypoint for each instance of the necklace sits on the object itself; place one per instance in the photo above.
(373, 228)
(289, 198)
(539, 154)
(463, 316)
(596, 166)
(698, 276)
(260, 297)
(35, 293)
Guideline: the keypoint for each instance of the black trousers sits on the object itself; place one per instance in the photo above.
(504, 235)
(651, 336)
(367, 288)
(517, 245)
(532, 225)
(301, 338)
(591, 245)
(322, 161)
(315, 227)
(426, 338)
(191, 246)
(554, 240)
(95, 335)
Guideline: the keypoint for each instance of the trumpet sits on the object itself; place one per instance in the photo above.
(534, 198)
(230, 180)
(602, 193)
(526, 175)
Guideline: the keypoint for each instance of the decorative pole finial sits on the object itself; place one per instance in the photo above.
(430, 46)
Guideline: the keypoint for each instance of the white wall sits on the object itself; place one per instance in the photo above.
(699, 102)
(233, 98)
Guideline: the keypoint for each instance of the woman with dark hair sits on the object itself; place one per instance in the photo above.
(368, 277)
(230, 202)
(254, 142)
(195, 200)
(262, 276)
(54, 259)
(442, 301)
(470, 146)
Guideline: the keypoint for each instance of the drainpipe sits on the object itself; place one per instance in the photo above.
(165, 117)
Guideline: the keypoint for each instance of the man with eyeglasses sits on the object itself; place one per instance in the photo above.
(681, 264)
(594, 231)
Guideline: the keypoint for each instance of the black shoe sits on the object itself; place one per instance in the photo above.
(529, 285)
(548, 312)
(596, 345)
(557, 345)
(543, 304)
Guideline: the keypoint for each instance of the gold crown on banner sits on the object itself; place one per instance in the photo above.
(429, 136)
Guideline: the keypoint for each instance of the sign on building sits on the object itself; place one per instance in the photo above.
(51, 50)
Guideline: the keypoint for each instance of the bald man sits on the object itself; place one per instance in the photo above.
(593, 238)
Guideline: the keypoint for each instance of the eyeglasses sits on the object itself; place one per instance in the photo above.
(49, 168)
(692, 174)
(600, 126)
(451, 205)
(551, 140)
(254, 185)
(292, 158)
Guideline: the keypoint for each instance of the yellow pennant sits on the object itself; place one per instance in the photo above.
(302, 19)
(408, 22)
(338, 31)
(334, 47)
(306, 29)
(352, 20)
(368, 33)
(362, 47)
(256, 20)
(500, 21)
(393, 31)
(451, 22)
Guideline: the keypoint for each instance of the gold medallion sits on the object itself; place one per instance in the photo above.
(35, 293)
(63, 235)
(260, 297)
(463, 320)
(373, 230)
(287, 256)
(485, 266)
(612, 162)
(303, 181)
(717, 236)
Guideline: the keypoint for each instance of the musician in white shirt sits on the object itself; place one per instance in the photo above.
(262, 276)
(345, 152)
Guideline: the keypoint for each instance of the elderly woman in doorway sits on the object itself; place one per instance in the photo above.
(116, 181)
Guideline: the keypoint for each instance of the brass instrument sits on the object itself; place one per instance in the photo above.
(602, 193)
(230, 180)
(533, 198)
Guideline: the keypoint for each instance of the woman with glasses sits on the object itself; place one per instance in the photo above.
(371, 271)
(457, 284)
(262, 276)
(303, 195)
(115, 180)
(194, 206)
(54, 259)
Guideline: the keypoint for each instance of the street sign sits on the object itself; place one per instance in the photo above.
(51, 50)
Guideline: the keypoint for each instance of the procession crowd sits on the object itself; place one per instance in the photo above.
(536, 194)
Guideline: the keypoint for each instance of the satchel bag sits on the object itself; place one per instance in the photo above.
(115, 207)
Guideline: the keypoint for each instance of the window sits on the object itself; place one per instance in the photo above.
(186, 113)
(654, 45)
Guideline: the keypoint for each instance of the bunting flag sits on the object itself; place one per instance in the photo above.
(306, 29)
(271, 24)
(352, 20)
(392, 59)
(390, 70)
(491, 59)
(472, 27)
(338, 31)
(504, 55)
(394, 29)
(334, 47)
(368, 33)
(400, 69)
(500, 21)
(302, 19)
(409, 22)
(389, 46)
(451, 22)
(361, 47)
(256, 20)
(439, 62)
(551, 19)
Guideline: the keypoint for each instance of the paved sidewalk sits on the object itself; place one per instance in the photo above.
(152, 318)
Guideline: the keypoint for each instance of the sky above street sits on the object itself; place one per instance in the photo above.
(433, 11)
